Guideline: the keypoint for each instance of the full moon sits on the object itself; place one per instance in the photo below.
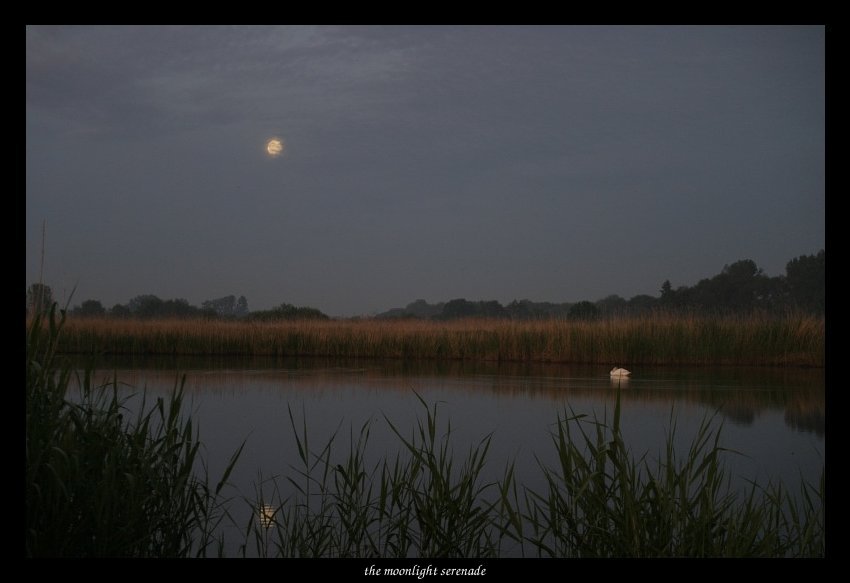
(274, 147)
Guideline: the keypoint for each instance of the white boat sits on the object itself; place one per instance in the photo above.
(620, 372)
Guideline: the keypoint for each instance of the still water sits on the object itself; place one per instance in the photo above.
(773, 418)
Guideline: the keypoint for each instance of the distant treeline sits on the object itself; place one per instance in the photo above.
(741, 287)
(149, 306)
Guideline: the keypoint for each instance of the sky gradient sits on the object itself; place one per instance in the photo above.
(544, 163)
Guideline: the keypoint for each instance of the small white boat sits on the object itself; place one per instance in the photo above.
(620, 372)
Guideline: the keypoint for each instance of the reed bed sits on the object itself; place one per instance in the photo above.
(660, 339)
(102, 481)
(600, 500)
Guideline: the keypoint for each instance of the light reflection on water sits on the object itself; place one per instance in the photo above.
(266, 515)
(773, 417)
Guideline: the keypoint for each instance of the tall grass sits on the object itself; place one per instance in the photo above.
(102, 481)
(603, 501)
(599, 500)
(419, 502)
(675, 339)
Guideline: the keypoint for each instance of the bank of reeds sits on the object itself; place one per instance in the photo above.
(603, 500)
(102, 481)
(659, 339)
(600, 500)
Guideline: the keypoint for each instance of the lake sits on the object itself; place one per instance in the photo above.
(773, 418)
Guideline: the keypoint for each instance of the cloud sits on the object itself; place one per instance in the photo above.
(486, 157)
(159, 80)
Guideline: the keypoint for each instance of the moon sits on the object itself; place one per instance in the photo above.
(274, 147)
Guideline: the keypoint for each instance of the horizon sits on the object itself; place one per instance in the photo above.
(439, 301)
(359, 169)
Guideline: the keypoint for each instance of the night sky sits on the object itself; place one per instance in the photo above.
(544, 163)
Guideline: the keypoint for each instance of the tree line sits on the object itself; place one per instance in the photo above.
(149, 306)
(739, 288)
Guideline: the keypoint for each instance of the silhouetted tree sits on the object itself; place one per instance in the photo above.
(289, 312)
(666, 294)
(739, 287)
(39, 298)
(150, 306)
(642, 303)
(89, 308)
(459, 308)
(611, 305)
(241, 307)
(519, 310)
(418, 309)
(806, 279)
(490, 309)
(178, 308)
(583, 311)
(145, 306)
(119, 311)
(225, 306)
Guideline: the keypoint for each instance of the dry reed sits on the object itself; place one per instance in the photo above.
(660, 339)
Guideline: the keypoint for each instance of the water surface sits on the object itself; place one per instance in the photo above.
(774, 418)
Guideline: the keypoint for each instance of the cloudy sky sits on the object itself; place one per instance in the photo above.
(547, 163)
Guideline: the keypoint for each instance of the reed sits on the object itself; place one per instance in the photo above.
(102, 481)
(419, 502)
(659, 339)
(600, 500)
(604, 501)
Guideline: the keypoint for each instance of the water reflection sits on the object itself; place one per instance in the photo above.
(739, 394)
(806, 416)
(776, 416)
(738, 413)
(620, 382)
(266, 515)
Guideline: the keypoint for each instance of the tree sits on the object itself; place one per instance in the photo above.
(491, 309)
(458, 308)
(612, 305)
(39, 298)
(739, 287)
(642, 303)
(119, 311)
(89, 308)
(583, 311)
(225, 306)
(666, 293)
(747, 286)
(519, 310)
(289, 312)
(743, 270)
(177, 308)
(145, 306)
(806, 280)
(241, 307)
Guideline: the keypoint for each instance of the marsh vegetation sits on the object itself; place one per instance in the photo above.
(107, 478)
(657, 339)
